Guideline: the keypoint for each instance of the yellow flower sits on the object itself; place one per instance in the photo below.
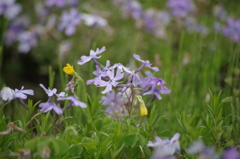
(143, 110)
(69, 69)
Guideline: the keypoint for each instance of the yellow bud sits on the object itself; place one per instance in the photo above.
(143, 110)
(69, 69)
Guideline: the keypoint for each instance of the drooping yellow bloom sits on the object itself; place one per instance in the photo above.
(69, 69)
(143, 108)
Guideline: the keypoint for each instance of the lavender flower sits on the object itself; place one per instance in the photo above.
(111, 98)
(9, 9)
(150, 85)
(112, 80)
(46, 107)
(205, 152)
(22, 94)
(165, 148)
(70, 86)
(52, 92)
(7, 94)
(95, 21)
(74, 102)
(155, 22)
(181, 8)
(113, 101)
(149, 21)
(134, 8)
(99, 74)
(121, 67)
(192, 26)
(17, 26)
(59, 3)
(220, 12)
(69, 21)
(27, 40)
(134, 79)
(145, 64)
(232, 30)
(72, 2)
(231, 153)
(48, 91)
(93, 56)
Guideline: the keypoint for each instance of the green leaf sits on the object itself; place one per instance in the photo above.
(130, 139)
(31, 144)
(75, 150)
(60, 146)
(142, 140)
(43, 142)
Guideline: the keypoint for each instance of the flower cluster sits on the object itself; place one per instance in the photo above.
(156, 21)
(26, 33)
(122, 80)
(47, 106)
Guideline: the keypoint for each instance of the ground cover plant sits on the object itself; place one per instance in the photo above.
(120, 79)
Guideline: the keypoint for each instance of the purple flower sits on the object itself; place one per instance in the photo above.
(74, 102)
(134, 8)
(52, 92)
(69, 21)
(231, 153)
(145, 64)
(48, 91)
(99, 74)
(204, 152)
(114, 110)
(46, 107)
(165, 148)
(93, 55)
(7, 94)
(27, 40)
(181, 8)
(70, 86)
(94, 20)
(59, 3)
(72, 2)
(17, 26)
(113, 101)
(232, 30)
(121, 67)
(220, 12)
(150, 85)
(134, 79)
(112, 80)
(22, 94)
(111, 98)
(9, 9)
(149, 21)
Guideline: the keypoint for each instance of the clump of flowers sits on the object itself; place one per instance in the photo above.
(119, 80)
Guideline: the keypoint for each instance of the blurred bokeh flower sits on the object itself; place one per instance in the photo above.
(93, 20)
(69, 21)
(9, 9)
(232, 30)
(165, 148)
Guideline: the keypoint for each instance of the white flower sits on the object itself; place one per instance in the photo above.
(7, 94)
(166, 147)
